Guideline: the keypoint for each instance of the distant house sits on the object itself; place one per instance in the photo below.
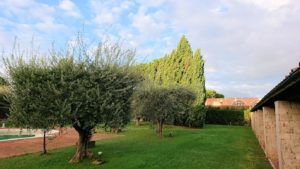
(238, 103)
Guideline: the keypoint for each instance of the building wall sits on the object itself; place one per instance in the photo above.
(278, 132)
(260, 128)
(270, 134)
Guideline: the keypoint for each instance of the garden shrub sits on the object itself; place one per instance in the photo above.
(224, 116)
(4, 102)
(247, 118)
(195, 117)
(161, 104)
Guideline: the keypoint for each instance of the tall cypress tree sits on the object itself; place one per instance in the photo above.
(180, 67)
(198, 78)
(183, 54)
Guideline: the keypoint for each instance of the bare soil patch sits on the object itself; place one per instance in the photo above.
(67, 138)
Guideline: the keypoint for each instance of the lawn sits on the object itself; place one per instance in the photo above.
(214, 147)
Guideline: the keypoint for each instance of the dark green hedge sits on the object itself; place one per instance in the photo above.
(4, 103)
(224, 116)
(194, 118)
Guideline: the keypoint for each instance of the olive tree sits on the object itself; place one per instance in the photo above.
(33, 97)
(161, 103)
(82, 87)
(97, 95)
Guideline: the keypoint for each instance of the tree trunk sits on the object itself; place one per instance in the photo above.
(81, 149)
(60, 130)
(44, 142)
(137, 121)
(159, 127)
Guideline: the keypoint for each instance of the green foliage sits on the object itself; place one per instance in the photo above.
(33, 96)
(194, 117)
(180, 67)
(213, 94)
(4, 102)
(3, 82)
(247, 117)
(160, 104)
(224, 116)
(81, 88)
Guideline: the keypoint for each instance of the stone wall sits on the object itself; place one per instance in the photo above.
(260, 128)
(270, 134)
(278, 132)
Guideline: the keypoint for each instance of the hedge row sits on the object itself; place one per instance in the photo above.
(195, 118)
(4, 103)
(224, 116)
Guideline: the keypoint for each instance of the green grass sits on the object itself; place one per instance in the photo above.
(214, 147)
(5, 137)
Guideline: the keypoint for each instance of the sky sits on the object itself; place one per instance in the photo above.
(249, 46)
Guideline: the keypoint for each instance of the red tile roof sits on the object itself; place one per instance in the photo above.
(231, 102)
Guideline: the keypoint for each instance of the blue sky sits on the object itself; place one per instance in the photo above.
(248, 45)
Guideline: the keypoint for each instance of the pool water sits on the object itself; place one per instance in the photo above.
(5, 137)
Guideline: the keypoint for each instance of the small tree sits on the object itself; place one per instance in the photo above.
(100, 95)
(99, 87)
(160, 104)
(213, 94)
(33, 94)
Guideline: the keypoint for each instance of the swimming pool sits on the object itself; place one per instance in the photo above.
(7, 134)
(6, 137)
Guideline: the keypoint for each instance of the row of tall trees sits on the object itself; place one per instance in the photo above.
(185, 68)
(180, 67)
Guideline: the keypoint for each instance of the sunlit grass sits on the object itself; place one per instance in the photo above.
(214, 147)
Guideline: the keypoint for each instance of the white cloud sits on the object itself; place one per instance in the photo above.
(247, 46)
(48, 24)
(37, 16)
(70, 8)
(23, 10)
(26, 20)
(147, 3)
(210, 70)
(104, 18)
(147, 25)
(108, 12)
(270, 5)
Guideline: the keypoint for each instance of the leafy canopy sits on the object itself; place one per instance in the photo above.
(81, 88)
(160, 103)
(180, 67)
(210, 93)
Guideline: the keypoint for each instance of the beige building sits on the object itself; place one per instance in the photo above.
(275, 121)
